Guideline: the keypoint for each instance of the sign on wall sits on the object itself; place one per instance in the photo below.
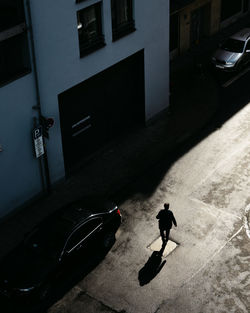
(38, 141)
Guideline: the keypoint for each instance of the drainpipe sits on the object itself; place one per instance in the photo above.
(44, 161)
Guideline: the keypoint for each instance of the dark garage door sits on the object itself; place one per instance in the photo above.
(101, 108)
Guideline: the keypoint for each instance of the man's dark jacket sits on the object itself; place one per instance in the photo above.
(166, 218)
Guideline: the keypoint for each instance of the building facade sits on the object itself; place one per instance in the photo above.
(193, 20)
(92, 68)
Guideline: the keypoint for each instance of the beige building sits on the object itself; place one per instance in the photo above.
(193, 20)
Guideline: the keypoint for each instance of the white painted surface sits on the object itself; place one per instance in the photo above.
(157, 245)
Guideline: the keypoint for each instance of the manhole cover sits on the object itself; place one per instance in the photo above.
(157, 245)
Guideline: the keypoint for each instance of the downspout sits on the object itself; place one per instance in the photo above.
(44, 162)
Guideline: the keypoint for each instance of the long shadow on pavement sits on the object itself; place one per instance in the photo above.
(152, 268)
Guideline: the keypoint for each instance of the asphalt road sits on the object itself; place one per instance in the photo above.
(208, 191)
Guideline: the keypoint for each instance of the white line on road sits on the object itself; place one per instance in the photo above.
(238, 150)
(212, 257)
(246, 222)
(210, 209)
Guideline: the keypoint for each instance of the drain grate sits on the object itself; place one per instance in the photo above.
(157, 245)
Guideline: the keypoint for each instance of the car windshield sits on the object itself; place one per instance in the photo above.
(233, 45)
(47, 240)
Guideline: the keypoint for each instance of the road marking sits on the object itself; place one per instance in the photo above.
(226, 160)
(230, 81)
(211, 209)
(212, 257)
(246, 221)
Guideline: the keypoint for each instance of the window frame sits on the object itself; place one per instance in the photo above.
(122, 29)
(68, 251)
(97, 41)
(16, 32)
(247, 44)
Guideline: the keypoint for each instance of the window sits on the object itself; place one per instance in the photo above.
(122, 18)
(11, 13)
(90, 29)
(233, 45)
(14, 55)
(82, 232)
(248, 45)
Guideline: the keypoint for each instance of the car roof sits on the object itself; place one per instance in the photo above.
(242, 34)
(75, 215)
(84, 208)
(67, 218)
(78, 211)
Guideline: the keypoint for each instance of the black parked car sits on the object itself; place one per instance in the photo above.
(55, 245)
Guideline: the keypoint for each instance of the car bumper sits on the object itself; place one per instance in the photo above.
(11, 296)
(225, 67)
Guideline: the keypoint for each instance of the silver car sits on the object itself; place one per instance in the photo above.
(234, 53)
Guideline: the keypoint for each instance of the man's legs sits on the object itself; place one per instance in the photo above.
(167, 234)
(164, 234)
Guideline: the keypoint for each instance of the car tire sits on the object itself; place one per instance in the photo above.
(108, 240)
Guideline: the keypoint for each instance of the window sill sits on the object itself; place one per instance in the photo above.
(14, 77)
(123, 30)
(89, 47)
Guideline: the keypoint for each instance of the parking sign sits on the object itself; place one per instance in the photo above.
(38, 141)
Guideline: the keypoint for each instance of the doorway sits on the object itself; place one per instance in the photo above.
(101, 108)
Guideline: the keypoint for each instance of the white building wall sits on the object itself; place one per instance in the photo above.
(60, 67)
(19, 169)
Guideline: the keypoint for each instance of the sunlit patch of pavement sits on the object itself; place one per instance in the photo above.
(156, 245)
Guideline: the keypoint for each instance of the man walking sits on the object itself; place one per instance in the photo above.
(166, 218)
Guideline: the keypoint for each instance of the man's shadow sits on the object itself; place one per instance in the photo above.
(152, 267)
